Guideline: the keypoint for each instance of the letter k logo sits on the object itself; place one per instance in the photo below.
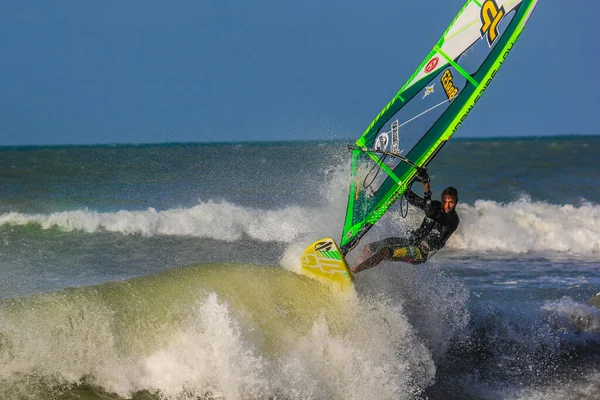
(491, 16)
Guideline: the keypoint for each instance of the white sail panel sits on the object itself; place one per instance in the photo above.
(464, 32)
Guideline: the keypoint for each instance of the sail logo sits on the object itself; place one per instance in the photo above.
(428, 90)
(381, 143)
(432, 64)
(323, 246)
(491, 16)
(395, 138)
(448, 84)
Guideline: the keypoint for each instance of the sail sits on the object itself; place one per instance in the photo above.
(429, 108)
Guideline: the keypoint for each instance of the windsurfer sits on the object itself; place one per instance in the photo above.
(441, 220)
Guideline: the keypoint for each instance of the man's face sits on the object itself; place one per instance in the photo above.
(448, 203)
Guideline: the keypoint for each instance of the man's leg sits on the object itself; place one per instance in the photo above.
(375, 247)
(374, 259)
(400, 252)
(408, 254)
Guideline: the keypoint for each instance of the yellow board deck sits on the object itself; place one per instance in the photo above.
(324, 262)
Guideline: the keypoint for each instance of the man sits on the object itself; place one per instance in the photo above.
(438, 225)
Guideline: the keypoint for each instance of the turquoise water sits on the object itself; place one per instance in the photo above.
(166, 271)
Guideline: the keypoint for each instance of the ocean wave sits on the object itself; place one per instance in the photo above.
(520, 227)
(213, 331)
(214, 220)
(526, 226)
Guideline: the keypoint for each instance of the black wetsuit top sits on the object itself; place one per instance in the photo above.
(437, 226)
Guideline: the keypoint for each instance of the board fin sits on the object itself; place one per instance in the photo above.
(324, 262)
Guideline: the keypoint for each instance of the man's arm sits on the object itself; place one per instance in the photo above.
(415, 200)
(424, 178)
(427, 187)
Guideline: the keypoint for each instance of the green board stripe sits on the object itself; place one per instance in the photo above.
(332, 255)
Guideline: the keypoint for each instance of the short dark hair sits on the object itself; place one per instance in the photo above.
(450, 191)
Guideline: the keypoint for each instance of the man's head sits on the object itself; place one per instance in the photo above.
(449, 199)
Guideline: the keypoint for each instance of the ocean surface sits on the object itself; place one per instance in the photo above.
(170, 272)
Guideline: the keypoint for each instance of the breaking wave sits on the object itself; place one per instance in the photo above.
(220, 331)
(519, 227)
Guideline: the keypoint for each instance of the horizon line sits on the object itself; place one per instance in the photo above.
(282, 141)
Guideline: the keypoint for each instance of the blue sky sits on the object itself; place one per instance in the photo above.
(81, 72)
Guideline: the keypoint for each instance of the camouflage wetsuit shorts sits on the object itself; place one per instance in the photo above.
(403, 249)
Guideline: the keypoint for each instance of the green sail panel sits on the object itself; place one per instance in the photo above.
(429, 108)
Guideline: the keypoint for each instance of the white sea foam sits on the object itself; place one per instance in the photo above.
(519, 227)
(526, 226)
(216, 220)
(567, 314)
(216, 352)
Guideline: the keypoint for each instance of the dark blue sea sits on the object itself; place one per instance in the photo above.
(170, 272)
